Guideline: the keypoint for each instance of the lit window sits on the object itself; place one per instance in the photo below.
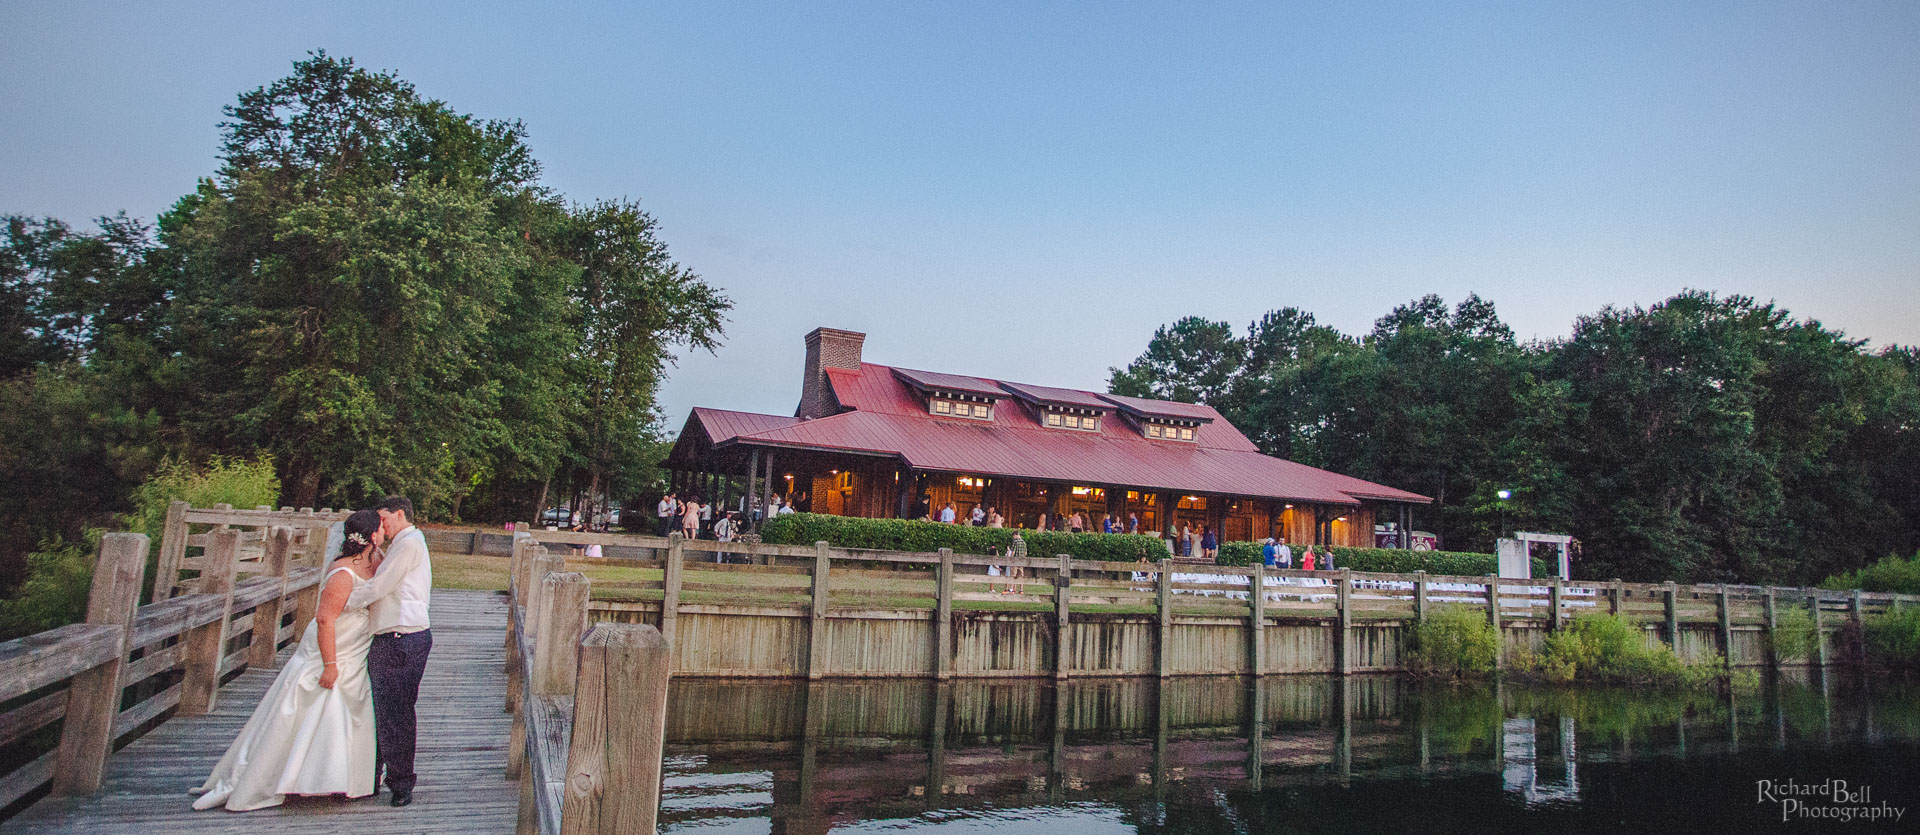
(979, 410)
(941, 407)
(1186, 434)
(1153, 430)
(1090, 423)
(1053, 418)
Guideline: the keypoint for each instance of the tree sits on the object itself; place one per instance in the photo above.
(1192, 361)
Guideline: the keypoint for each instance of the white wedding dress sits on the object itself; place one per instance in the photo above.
(304, 738)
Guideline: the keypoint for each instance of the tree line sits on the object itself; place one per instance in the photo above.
(373, 291)
(1706, 438)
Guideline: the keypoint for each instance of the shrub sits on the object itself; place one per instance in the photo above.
(60, 574)
(1893, 638)
(1793, 635)
(1895, 574)
(1454, 641)
(1599, 647)
(914, 535)
(1387, 560)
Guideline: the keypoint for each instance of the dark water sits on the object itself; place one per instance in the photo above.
(1289, 754)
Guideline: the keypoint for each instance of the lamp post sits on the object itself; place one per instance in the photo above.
(1504, 494)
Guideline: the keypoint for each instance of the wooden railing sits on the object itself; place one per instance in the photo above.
(589, 706)
(819, 577)
(128, 665)
(183, 551)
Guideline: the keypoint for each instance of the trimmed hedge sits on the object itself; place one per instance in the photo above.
(924, 537)
(1387, 560)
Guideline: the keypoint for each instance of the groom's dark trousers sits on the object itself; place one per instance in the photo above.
(395, 663)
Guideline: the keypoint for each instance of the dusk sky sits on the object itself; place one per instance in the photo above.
(1027, 190)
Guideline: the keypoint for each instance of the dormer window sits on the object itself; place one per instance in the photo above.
(955, 407)
(1168, 430)
(1065, 419)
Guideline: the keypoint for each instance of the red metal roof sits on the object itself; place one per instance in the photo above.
(886, 418)
(1162, 408)
(722, 425)
(949, 382)
(1060, 397)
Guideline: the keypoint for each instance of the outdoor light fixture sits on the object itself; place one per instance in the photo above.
(1505, 495)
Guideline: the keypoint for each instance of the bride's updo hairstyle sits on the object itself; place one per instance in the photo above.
(357, 535)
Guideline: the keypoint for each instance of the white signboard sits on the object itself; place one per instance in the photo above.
(1514, 564)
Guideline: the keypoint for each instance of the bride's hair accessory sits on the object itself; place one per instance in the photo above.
(358, 538)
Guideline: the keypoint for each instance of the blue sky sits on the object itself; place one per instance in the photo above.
(1027, 190)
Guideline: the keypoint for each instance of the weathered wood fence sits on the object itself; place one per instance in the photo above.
(589, 706)
(820, 612)
(251, 587)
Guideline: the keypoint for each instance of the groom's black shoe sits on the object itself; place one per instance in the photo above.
(401, 797)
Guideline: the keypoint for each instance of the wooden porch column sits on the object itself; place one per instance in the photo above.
(753, 493)
(903, 499)
(767, 485)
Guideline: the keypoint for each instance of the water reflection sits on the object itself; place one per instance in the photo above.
(1245, 755)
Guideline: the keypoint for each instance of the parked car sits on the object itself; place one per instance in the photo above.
(557, 516)
(613, 516)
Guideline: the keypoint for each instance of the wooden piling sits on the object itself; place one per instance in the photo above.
(1063, 635)
(672, 571)
(1257, 619)
(817, 615)
(1163, 647)
(1343, 634)
(619, 731)
(943, 618)
(1672, 593)
(1726, 627)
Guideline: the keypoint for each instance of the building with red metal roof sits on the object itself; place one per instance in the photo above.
(880, 441)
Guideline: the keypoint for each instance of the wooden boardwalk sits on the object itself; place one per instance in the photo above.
(462, 757)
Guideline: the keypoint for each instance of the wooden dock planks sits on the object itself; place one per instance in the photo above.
(463, 738)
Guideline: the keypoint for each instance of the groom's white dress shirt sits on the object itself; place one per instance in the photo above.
(396, 597)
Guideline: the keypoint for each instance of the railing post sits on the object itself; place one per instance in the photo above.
(1858, 614)
(1726, 627)
(93, 696)
(206, 644)
(817, 614)
(266, 617)
(1773, 622)
(1062, 633)
(1819, 638)
(1617, 592)
(1673, 615)
(1493, 617)
(1163, 648)
(1419, 596)
(671, 571)
(1257, 619)
(619, 731)
(943, 618)
(1343, 599)
(1553, 604)
(514, 562)
(173, 549)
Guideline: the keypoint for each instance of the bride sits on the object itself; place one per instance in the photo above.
(313, 731)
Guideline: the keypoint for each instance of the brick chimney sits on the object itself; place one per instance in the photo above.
(826, 348)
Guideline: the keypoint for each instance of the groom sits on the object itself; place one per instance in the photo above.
(397, 608)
